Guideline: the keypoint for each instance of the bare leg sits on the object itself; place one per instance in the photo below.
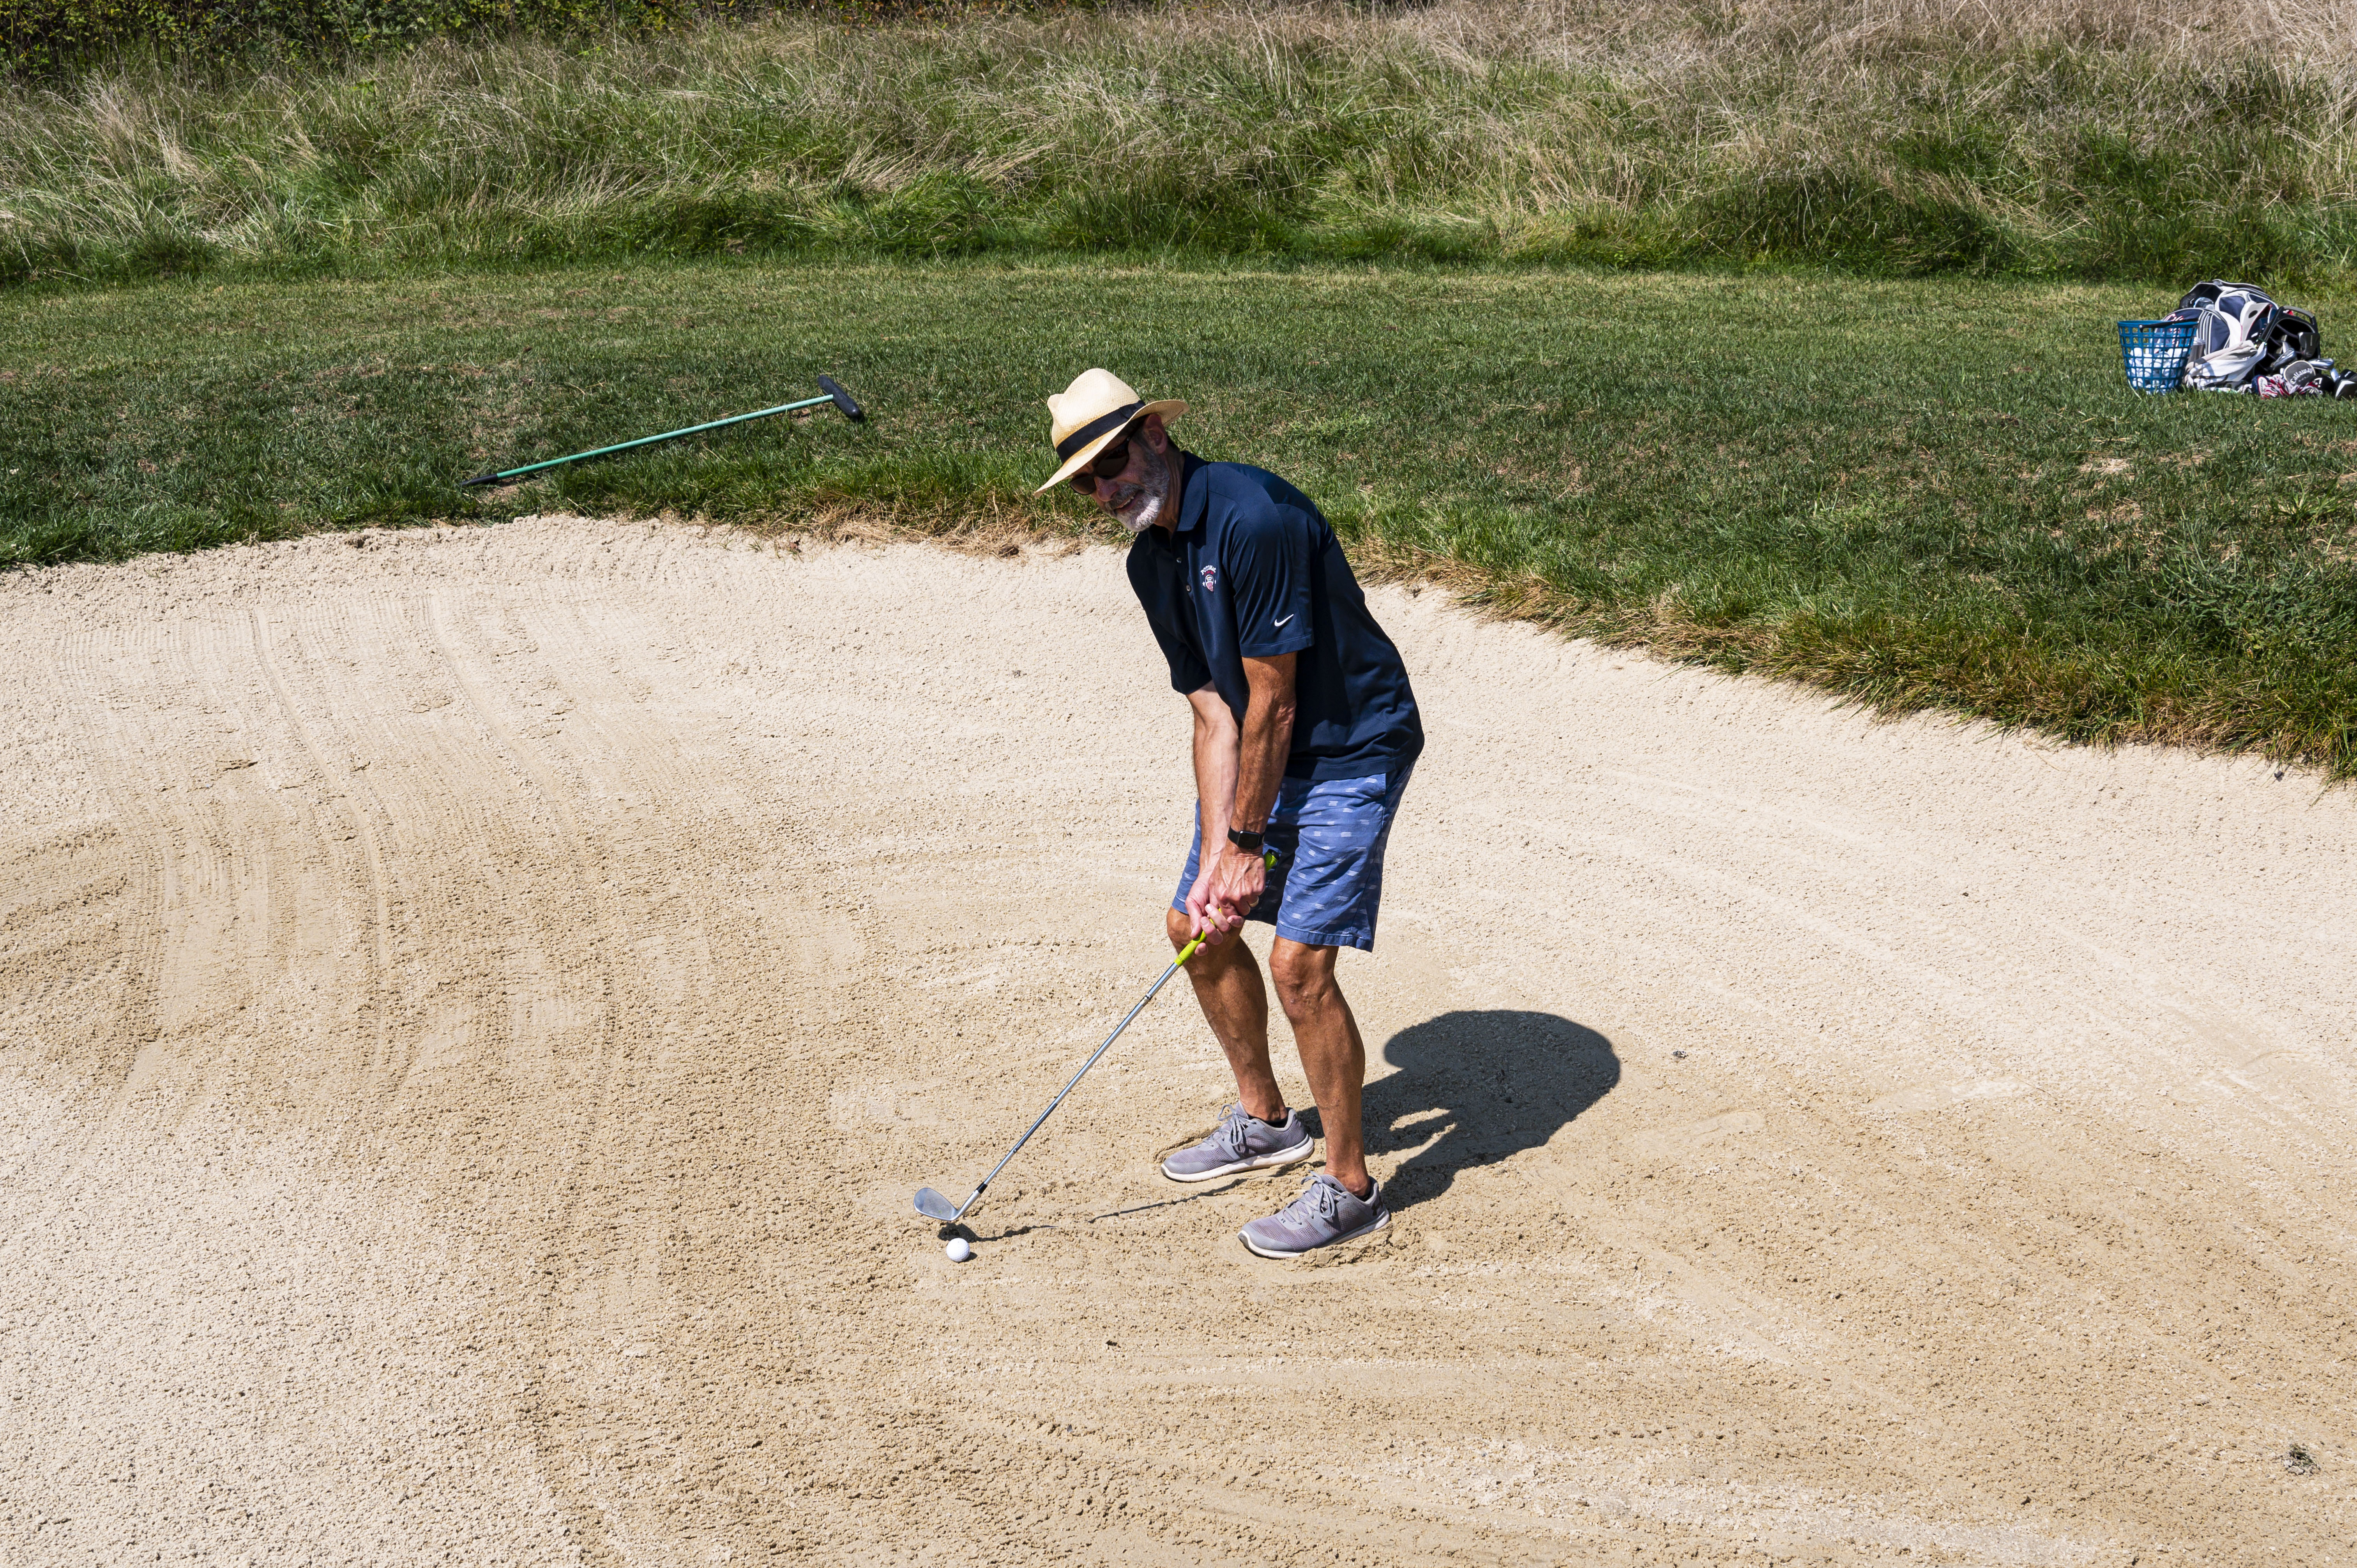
(1332, 1054)
(1235, 1003)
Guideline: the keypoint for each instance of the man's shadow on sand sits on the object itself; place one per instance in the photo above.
(1481, 1087)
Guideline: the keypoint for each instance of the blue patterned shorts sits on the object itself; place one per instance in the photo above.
(1329, 837)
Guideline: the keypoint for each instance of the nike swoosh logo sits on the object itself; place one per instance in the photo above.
(1289, 618)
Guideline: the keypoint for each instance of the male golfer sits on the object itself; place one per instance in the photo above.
(1304, 732)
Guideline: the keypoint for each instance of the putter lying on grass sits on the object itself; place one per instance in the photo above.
(829, 393)
(936, 1206)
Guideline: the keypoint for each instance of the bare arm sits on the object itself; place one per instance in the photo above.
(1215, 765)
(1237, 772)
(1266, 741)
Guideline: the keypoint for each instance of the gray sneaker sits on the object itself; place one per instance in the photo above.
(1325, 1213)
(1241, 1142)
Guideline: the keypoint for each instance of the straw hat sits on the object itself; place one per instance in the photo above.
(1090, 415)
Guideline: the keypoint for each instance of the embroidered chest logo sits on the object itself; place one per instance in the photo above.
(1211, 579)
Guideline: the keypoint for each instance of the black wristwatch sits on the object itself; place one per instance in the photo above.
(1248, 843)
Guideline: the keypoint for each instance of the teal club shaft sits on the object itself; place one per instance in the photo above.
(833, 393)
(641, 441)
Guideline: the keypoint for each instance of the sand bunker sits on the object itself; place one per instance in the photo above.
(474, 1006)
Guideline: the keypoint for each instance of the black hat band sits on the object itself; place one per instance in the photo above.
(1094, 428)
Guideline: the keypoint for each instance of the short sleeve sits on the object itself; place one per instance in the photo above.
(1269, 563)
(1188, 673)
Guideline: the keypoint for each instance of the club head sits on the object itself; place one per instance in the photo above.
(933, 1206)
(851, 411)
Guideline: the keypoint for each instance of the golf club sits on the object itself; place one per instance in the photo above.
(936, 1206)
(829, 393)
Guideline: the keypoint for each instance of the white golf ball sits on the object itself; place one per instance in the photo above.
(958, 1249)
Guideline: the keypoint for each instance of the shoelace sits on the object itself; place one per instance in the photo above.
(1321, 1198)
(1231, 1131)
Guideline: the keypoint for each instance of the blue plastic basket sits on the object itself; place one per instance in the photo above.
(2155, 352)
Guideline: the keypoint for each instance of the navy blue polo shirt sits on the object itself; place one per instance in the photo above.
(1250, 569)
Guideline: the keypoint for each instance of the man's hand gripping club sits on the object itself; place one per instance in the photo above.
(1237, 772)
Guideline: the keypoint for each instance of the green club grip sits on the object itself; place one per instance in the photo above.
(1268, 858)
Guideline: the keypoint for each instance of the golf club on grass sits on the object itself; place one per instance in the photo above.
(936, 1206)
(829, 391)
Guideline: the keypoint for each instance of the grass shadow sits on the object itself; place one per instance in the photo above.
(1476, 1088)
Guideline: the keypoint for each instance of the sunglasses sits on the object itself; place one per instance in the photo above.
(1103, 466)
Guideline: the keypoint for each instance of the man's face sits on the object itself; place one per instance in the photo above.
(1137, 494)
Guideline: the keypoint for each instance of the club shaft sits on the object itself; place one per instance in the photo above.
(1184, 954)
(666, 436)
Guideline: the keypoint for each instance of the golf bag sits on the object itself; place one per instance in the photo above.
(2245, 341)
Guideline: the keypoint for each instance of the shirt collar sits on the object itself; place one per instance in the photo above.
(1194, 494)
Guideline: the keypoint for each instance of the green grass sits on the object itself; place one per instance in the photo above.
(1911, 494)
(2092, 139)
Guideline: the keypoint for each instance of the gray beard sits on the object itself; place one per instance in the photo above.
(1156, 489)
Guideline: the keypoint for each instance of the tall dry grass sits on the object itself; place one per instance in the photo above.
(2095, 138)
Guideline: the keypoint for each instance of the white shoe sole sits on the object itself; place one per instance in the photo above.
(1292, 1156)
(1258, 1251)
